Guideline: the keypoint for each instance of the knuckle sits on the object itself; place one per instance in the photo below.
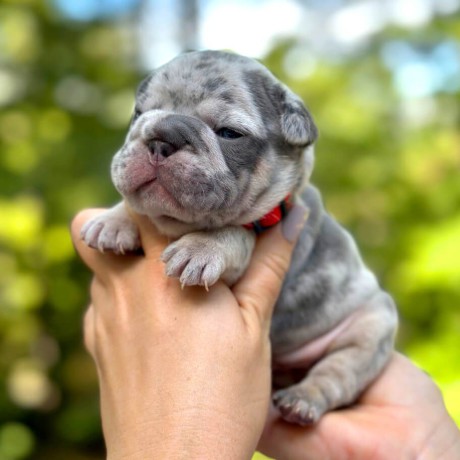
(79, 220)
(277, 265)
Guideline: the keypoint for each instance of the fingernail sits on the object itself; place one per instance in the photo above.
(294, 222)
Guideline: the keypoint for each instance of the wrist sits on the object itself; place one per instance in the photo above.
(191, 435)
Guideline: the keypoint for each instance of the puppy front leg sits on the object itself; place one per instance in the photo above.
(201, 258)
(113, 230)
(352, 361)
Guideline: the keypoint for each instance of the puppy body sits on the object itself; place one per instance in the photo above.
(217, 142)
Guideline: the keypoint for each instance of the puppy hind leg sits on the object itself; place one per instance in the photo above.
(353, 360)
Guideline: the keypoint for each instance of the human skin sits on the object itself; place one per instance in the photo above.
(186, 373)
(400, 416)
(183, 373)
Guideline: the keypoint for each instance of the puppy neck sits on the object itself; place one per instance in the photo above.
(272, 217)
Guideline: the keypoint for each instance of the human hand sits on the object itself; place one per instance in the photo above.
(182, 373)
(400, 416)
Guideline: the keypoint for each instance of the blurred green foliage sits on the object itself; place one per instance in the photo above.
(388, 168)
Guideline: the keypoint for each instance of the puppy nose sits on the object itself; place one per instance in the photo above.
(161, 148)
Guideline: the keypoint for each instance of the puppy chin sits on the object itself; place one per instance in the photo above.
(173, 227)
(163, 210)
(168, 226)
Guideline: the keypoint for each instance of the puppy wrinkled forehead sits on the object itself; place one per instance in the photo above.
(200, 80)
(199, 75)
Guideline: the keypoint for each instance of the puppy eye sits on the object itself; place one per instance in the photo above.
(228, 133)
(136, 115)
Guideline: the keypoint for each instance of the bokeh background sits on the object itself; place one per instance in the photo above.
(382, 78)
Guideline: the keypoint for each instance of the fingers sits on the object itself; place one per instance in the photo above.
(260, 286)
(90, 257)
(281, 439)
(103, 265)
(153, 243)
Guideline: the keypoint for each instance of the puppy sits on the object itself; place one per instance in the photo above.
(217, 147)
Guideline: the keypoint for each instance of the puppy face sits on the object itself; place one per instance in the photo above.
(215, 140)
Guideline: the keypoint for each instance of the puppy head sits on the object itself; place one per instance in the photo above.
(215, 140)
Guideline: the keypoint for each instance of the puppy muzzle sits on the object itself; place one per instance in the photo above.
(167, 133)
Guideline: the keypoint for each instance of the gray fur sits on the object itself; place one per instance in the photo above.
(199, 183)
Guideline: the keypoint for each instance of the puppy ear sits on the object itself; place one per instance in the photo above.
(297, 124)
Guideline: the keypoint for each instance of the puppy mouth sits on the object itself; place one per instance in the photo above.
(168, 219)
(145, 184)
(156, 187)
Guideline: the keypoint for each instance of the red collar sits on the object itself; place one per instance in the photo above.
(271, 218)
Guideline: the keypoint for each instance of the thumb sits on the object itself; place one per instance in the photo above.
(152, 241)
(261, 284)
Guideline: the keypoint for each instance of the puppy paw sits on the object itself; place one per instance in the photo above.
(195, 259)
(112, 232)
(295, 406)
